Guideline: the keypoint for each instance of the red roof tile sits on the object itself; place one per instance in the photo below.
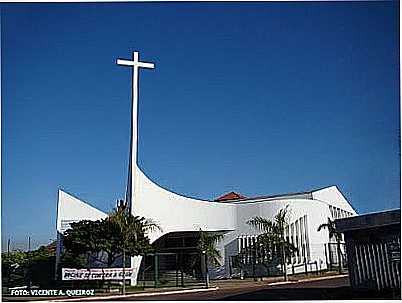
(230, 196)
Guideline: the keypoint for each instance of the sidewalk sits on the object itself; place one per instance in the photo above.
(141, 294)
(234, 283)
(224, 285)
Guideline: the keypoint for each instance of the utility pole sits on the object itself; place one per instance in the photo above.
(8, 256)
(285, 272)
(29, 262)
(124, 270)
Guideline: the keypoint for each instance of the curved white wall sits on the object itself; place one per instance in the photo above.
(176, 213)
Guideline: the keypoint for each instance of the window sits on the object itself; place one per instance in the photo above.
(306, 237)
(302, 240)
(292, 238)
(298, 241)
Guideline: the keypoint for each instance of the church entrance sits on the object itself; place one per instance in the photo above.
(176, 262)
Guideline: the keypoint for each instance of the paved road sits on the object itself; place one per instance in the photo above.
(335, 288)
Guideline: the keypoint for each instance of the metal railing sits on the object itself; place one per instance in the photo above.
(169, 269)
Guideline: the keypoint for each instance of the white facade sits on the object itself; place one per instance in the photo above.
(175, 213)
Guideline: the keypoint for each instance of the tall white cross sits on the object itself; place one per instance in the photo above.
(135, 64)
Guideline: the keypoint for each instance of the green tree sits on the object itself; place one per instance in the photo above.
(273, 236)
(133, 231)
(208, 253)
(95, 238)
(22, 267)
(14, 265)
(15, 258)
(333, 233)
(118, 235)
(41, 266)
(207, 245)
(85, 238)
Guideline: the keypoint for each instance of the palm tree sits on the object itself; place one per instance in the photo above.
(273, 235)
(133, 233)
(207, 247)
(330, 225)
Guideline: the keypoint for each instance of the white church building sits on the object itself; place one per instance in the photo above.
(180, 216)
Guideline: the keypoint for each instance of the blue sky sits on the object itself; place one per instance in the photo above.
(258, 98)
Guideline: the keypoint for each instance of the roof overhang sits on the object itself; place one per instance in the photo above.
(374, 220)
